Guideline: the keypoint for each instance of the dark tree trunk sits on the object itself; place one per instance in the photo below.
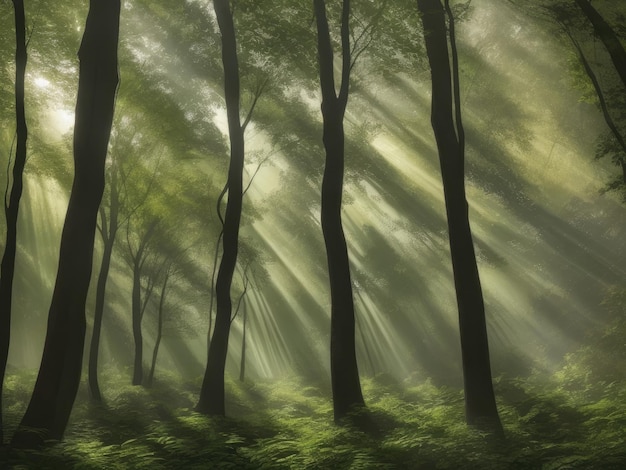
(159, 335)
(138, 306)
(94, 388)
(212, 392)
(479, 396)
(7, 267)
(242, 364)
(59, 375)
(109, 232)
(136, 323)
(608, 37)
(346, 387)
(215, 258)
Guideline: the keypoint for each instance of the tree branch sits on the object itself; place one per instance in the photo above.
(345, 54)
(257, 94)
(596, 85)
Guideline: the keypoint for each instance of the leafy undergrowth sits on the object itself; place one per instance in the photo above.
(553, 424)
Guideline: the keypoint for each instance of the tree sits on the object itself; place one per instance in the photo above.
(607, 35)
(7, 267)
(168, 271)
(108, 231)
(114, 212)
(610, 98)
(211, 399)
(59, 374)
(346, 387)
(617, 145)
(616, 50)
(480, 405)
(241, 303)
(137, 259)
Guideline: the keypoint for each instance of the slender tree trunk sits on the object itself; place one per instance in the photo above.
(242, 364)
(479, 396)
(212, 392)
(138, 305)
(59, 375)
(94, 388)
(159, 335)
(346, 387)
(215, 257)
(608, 37)
(109, 232)
(7, 267)
(136, 323)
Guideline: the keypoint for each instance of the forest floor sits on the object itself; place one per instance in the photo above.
(287, 424)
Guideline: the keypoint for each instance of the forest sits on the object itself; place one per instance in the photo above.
(323, 234)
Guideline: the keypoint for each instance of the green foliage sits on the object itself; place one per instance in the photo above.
(171, 68)
(550, 422)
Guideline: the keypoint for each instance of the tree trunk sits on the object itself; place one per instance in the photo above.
(94, 388)
(136, 323)
(7, 267)
(608, 37)
(138, 306)
(212, 392)
(159, 336)
(59, 375)
(109, 232)
(215, 257)
(242, 364)
(346, 387)
(479, 396)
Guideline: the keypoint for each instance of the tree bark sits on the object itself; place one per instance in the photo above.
(346, 387)
(212, 392)
(137, 305)
(242, 364)
(109, 232)
(59, 375)
(136, 324)
(608, 37)
(11, 210)
(159, 335)
(480, 402)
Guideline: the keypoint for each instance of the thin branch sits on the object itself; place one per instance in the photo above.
(357, 53)
(368, 28)
(456, 84)
(246, 281)
(30, 33)
(102, 226)
(345, 54)
(146, 193)
(596, 84)
(144, 242)
(128, 243)
(257, 94)
(10, 159)
(220, 198)
(255, 173)
(147, 294)
(217, 247)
